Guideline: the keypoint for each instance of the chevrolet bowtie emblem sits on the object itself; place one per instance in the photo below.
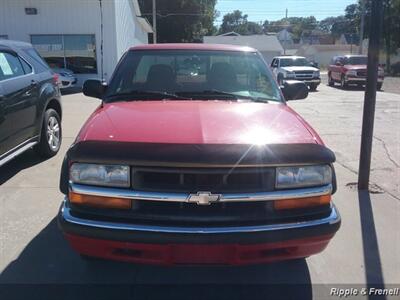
(203, 198)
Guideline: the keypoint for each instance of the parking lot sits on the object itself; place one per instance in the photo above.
(365, 250)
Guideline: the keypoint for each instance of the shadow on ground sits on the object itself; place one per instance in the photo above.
(24, 161)
(372, 259)
(71, 91)
(351, 88)
(48, 260)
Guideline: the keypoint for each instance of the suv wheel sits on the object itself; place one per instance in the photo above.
(330, 80)
(379, 86)
(343, 83)
(50, 136)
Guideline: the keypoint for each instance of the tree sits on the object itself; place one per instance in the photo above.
(337, 26)
(276, 26)
(237, 22)
(391, 28)
(181, 20)
(296, 25)
(391, 24)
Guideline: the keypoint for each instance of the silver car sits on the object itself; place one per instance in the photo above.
(66, 77)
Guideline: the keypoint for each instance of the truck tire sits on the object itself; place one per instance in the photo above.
(330, 80)
(50, 136)
(344, 85)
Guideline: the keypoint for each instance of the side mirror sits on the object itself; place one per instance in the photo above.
(338, 63)
(94, 88)
(294, 90)
(314, 64)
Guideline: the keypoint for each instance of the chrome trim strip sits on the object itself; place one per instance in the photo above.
(313, 81)
(11, 154)
(333, 218)
(184, 197)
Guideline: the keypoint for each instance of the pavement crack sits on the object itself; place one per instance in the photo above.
(346, 167)
(372, 183)
(387, 151)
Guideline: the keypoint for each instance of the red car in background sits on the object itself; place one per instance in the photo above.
(193, 157)
(351, 69)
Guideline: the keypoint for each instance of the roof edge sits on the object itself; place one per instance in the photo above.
(142, 21)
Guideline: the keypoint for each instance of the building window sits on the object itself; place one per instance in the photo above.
(74, 52)
(50, 48)
(3, 37)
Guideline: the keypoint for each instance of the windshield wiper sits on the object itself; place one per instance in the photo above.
(138, 94)
(228, 95)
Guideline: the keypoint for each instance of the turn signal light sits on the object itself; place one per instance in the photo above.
(99, 201)
(302, 202)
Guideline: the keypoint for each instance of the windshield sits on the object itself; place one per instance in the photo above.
(294, 62)
(355, 60)
(196, 75)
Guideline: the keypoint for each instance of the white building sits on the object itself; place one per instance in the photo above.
(268, 45)
(322, 54)
(85, 36)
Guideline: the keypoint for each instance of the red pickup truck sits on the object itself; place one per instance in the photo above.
(351, 69)
(193, 157)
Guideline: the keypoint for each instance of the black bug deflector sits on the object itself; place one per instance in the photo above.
(197, 155)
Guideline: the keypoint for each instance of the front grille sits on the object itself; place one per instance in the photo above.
(304, 74)
(193, 180)
(362, 73)
(215, 180)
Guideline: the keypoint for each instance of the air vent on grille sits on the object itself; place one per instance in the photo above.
(216, 180)
(303, 72)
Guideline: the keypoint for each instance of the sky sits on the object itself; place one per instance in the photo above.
(260, 10)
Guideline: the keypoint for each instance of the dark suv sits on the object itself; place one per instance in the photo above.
(30, 103)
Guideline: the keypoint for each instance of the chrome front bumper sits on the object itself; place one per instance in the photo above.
(306, 81)
(65, 216)
(318, 81)
(360, 79)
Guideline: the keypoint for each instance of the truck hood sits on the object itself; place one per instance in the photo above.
(302, 68)
(355, 67)
(359, 67)
(197, 122)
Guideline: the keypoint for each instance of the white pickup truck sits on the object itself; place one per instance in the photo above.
(295, 68)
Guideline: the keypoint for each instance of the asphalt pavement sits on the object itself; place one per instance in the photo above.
(365, 251)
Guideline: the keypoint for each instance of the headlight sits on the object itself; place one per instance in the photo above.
(351, 73)
(305, 176)
(316, 74)
(289, 74)
(94, 174)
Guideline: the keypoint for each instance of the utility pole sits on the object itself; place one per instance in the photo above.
(360, 45)
(370, 95)
(154, 22)
(351, 43)
(286, 33)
